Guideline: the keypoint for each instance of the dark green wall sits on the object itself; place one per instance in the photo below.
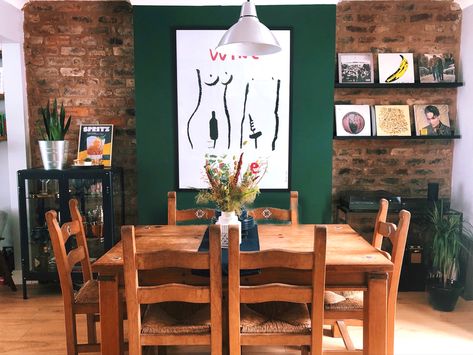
(313, 53)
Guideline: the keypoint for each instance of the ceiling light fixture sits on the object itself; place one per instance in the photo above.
(248, 36)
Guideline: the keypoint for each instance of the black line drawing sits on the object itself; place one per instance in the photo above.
(199, 82)
(255, 134)
(244, 113)
(276, 116)
(225, 106)
(213, 83)
(213, 128)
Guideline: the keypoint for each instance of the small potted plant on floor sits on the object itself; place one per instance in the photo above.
(446, 245)
(53, 147)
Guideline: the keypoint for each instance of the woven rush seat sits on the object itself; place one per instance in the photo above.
(275, 317)
(353, 300)
(88, 293)
(176, 318)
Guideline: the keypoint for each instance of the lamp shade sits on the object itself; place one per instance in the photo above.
(248, 36)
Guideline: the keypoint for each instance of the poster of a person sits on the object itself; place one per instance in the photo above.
(432, 120)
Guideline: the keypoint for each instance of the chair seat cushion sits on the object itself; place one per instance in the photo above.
(353, 302)
(88, 293)
(331, 297)
(176, 318)
(275, 317)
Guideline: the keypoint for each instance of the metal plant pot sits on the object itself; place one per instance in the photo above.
(53, 154)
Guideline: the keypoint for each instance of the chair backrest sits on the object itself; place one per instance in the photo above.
(271, 290)
(136, 294)
(192, 214)
(398, 237)
(65, 260)
(269, 214)
(377, 240)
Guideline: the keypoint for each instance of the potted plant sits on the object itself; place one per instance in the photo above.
(446, 245)
(53, 147)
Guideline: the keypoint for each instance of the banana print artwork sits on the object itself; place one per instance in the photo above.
(403, 66)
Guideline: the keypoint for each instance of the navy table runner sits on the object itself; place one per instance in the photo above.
(249, 242)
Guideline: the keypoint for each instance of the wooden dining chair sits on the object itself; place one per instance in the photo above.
(271, 313)
(176, 313)
(176, 216)
(350, 310)
(86, 299)
(272, 214)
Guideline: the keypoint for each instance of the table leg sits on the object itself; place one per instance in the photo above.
(375, 317)
(111, 329)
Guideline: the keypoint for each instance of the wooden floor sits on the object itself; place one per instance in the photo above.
(36, 326)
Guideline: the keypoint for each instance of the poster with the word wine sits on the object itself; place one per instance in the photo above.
(228, 104)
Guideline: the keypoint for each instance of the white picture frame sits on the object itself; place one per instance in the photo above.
(392, 120)
(228, 104)
(396, 68)
(1, 81)
(352, 120)
(355, 68)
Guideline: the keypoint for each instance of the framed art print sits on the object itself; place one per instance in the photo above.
(392, 120)
(355, 68)
(432, 120)
(436, 68)
(95, 144)
(352, 120)
(396, 68)
(228, 104)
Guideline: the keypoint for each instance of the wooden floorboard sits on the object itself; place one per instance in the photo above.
(36, 326)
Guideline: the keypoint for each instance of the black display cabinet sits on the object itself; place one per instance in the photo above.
(101, 200)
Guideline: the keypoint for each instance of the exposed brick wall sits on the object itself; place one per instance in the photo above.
(400, 166)
(82, 53)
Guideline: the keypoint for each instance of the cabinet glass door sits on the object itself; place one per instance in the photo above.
(88, 192)
(42, 195)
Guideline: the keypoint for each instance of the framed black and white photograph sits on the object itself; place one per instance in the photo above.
(228, 104)
(352, 120)
(396, 68)
(355, 68)
(432, 120)
(436, 68)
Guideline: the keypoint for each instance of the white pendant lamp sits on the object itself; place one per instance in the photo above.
(248, 36)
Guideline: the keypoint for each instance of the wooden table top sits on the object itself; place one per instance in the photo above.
(347, 251)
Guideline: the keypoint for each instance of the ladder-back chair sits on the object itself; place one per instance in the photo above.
(271, 313)
(192, 214)
(272, 214)
(176, 313)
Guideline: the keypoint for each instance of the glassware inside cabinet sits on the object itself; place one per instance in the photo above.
(88, 192)
(42, 195)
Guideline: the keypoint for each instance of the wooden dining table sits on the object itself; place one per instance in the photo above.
(351, 263)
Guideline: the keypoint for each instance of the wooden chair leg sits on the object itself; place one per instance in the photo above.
(71, 334)
(345, 336)
(335, 331)
(91, 329)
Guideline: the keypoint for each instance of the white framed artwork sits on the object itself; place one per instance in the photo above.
(228, 104)
(396, 68)
(353, 120)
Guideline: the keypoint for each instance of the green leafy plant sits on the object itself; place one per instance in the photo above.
(446, 244)
(55, 125)
(230, 188)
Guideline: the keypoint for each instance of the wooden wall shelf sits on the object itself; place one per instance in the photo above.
(398, 86)
(398, 137)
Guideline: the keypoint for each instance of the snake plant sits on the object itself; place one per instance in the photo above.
(55, 125)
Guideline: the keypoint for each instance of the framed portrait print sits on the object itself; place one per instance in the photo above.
(228, 104)
(432, 120)
(355, 68)
(396, 68)
(352, 120)
(95, 145)
(392, 120)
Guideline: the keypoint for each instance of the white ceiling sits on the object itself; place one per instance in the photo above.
(19, 3)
